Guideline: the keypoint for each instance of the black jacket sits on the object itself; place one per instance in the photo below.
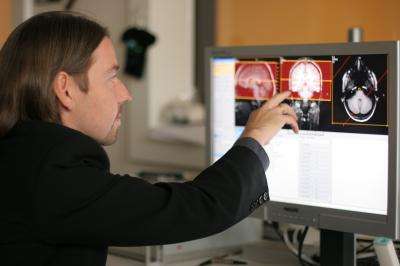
(60, 205)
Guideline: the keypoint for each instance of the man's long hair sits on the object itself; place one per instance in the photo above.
(34, 53)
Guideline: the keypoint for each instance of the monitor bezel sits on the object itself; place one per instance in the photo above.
(326, 218)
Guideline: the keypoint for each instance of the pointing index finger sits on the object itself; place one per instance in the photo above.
(277, 99)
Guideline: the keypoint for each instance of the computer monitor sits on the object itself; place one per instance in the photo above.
(341, 171)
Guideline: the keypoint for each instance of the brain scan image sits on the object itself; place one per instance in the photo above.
(254, 84)
(305, 78)
(243, 110)
(359, 91)
(257, 79)
(307, 114)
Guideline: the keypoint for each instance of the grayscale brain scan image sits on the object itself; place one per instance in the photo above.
(359, 91)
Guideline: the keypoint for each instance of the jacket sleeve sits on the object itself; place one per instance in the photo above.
(77, 200)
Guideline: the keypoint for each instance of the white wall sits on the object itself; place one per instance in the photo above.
(169, 75)
(171, 59)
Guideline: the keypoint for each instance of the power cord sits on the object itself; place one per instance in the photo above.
(362, 250)
(301, 241)
(295, 250)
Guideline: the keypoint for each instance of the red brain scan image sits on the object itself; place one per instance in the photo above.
(255, 80)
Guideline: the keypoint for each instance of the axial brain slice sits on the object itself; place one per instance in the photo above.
(359, 91)
(257, 77)
(359, 103)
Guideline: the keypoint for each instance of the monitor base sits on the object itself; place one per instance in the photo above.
(337, 248)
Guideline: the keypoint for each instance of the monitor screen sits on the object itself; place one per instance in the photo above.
(339, 159)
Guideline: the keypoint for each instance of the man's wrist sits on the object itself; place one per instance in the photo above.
(256, 135)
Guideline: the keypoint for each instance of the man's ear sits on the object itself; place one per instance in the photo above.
(63, 88)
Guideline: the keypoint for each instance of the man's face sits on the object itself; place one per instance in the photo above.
(97, 112)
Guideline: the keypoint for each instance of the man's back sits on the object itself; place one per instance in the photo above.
(61, 206)
(22, 154)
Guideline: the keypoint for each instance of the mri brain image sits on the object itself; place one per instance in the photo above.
(258, 78)
(305, 78)
(243, 110)
(359, 91)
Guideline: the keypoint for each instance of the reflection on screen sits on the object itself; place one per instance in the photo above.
(340, 157)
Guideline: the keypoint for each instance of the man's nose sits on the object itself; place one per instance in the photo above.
(125, 94)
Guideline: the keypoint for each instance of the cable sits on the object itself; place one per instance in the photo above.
(361, 254)
(366, 255)
(296, 237)
(364, 248)
(275, 225)
(293, 249)
(301, 241)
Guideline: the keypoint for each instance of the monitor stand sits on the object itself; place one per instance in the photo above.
(337, 248)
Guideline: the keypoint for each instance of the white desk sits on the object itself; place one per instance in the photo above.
(262, 253)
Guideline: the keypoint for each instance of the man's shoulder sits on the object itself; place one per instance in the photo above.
(60, 143)
(48, 136)
(48, 132)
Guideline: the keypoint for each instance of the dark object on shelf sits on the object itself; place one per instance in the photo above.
(137, 41)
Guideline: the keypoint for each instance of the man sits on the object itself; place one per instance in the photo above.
(60, 99)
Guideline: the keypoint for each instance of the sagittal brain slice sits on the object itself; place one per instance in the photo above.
(359, 91)
(258, 78)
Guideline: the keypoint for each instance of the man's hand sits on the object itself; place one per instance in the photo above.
(265, 122)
